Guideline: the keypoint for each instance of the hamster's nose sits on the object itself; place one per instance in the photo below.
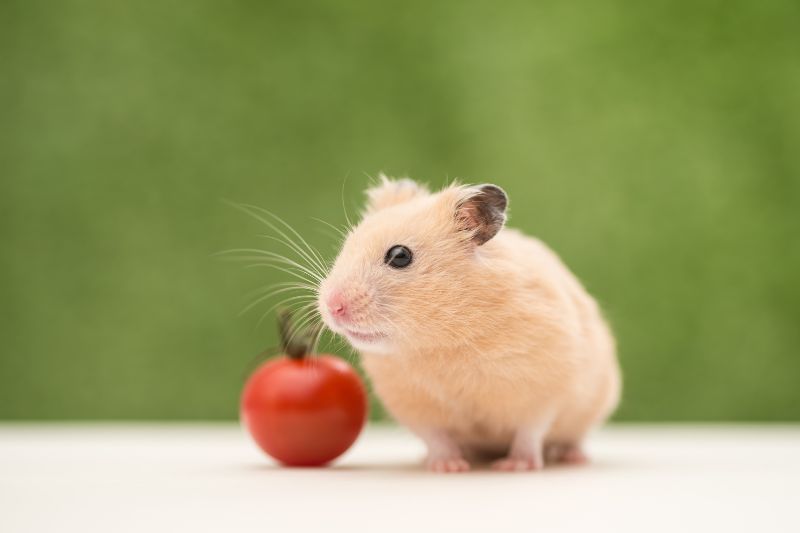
(337, 305)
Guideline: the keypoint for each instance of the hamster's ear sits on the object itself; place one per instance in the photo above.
(389, 192)
(482, 211)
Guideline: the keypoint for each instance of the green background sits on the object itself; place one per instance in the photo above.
(654, 145)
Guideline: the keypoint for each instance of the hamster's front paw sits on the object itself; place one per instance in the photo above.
(447, 463)
(444, 455)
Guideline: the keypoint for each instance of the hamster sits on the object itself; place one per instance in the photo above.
(474, 336)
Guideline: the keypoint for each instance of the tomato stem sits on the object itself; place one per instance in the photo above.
(296, 342)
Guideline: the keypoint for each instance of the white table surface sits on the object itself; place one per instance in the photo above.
(196, 478)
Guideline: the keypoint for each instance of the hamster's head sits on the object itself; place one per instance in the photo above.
(406, 272)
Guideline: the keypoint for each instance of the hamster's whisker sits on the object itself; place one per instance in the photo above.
(308, 318)
(344, 207)
(319, 270)
(289, 271)
(321, 329)
(320, 261)
(288, 285)
(309, 267)
(304, 312)
(337, 344)
(272, 294)
(280, 288)
(318, 337)
(310, 254)
(342, 233)
(253, 212)
(317, 263)
(343, 346)
(294, 311)
(286, 301)
(307, 278)
(301, 324)
(262, 255)
(300, 298)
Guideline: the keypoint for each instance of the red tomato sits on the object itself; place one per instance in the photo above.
(304, 411)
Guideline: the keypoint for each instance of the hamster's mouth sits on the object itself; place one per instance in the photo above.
(364, 336)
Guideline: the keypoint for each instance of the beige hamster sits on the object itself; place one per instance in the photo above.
(475, 336)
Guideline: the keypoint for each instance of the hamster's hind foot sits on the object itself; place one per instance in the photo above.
(574, 455)
(569, 454)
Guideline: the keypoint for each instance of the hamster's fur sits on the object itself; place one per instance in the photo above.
(485, 345)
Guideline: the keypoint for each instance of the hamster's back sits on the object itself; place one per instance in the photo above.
(595, 388)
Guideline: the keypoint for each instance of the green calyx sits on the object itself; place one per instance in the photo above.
(296, 342)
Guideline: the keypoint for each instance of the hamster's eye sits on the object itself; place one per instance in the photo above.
(398, 256)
